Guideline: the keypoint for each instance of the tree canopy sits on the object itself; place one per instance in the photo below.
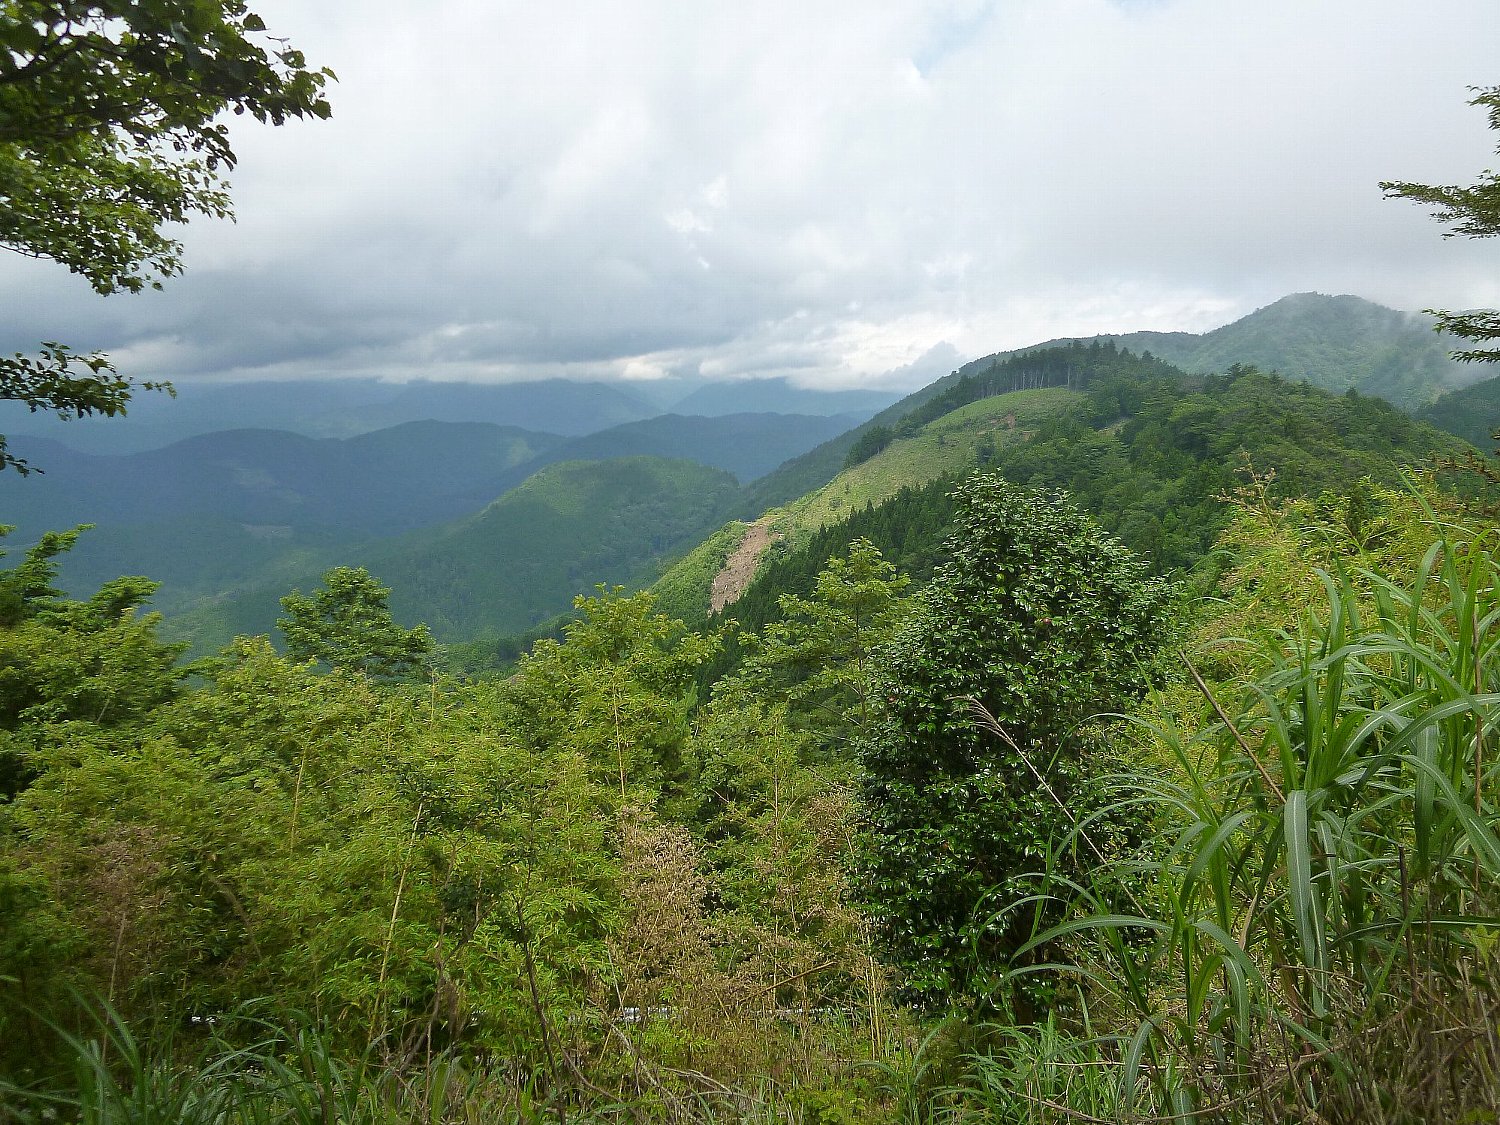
(1045, 621)
(109, 124)
(348, 625)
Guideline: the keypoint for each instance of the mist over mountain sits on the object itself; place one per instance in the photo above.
(779, 396)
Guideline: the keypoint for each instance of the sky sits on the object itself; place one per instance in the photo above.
(843, 192)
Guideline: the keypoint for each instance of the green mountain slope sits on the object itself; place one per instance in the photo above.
(1336, 343)
(519, 561)
(1333, 342)
(217, 510)
(1069, 364)
(1473, 413)
(1149, 452)
(949, 446)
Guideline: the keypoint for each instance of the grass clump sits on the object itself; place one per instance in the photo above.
(1312, 937)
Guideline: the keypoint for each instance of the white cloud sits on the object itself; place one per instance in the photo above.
(827, 192)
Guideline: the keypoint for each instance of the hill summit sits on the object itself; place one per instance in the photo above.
(1333, 342)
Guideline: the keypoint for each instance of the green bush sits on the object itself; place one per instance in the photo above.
(1045, 621)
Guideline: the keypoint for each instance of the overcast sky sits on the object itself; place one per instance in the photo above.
(834, 191)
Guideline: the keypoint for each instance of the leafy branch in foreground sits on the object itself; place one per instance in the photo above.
(110, 131)
(52, 383)
(1474, 212)
(109, 124)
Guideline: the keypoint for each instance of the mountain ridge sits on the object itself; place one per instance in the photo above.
(1336, 342)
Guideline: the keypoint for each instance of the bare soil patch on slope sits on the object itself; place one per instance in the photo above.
(740, 566)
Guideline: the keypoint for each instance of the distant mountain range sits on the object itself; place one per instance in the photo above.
(394, 479)
(522, 559)
(212, 511)
(1335, 342)
(341, 408)
(1332, 342)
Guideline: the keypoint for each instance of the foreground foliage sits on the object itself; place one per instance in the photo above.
(558, 879)
(600, 890)
(1319, 942)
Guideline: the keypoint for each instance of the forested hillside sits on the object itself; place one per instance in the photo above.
(820, 881)
(216, 513)
(1472, 413)
(247, 514)
(1100, 734)
(522, 559)
(872, 850)
(1149, 450)
(1336, 343)
(208, 513)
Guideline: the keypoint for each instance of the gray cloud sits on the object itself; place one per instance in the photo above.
(593, 190)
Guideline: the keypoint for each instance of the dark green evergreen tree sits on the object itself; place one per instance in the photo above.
(1046, 621)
